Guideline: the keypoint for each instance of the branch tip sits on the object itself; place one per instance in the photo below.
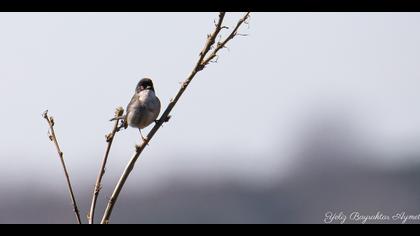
(45, 114)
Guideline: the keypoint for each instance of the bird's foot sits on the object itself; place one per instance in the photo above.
(122, 125)
(166, 119)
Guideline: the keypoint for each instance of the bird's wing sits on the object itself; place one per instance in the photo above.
(155, 108)
(136, 105)
(133, 101)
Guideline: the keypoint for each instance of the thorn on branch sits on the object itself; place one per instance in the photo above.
(52, 121)
(200, 67)
(98, 189)
(184, 84)
(109, 137)
(167, 118)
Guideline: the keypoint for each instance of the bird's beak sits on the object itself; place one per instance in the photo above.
(149, 87)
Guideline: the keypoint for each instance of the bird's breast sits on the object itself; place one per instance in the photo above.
(144, 111)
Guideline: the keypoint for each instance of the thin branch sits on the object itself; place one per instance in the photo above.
(98, 186)
(201, 63)
(53, 138)
(222, 44)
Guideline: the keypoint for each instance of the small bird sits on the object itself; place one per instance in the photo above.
(144, 107)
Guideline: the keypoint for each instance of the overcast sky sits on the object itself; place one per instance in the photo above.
(240, 117)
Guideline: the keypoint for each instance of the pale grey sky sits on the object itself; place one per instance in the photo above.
(241, 117)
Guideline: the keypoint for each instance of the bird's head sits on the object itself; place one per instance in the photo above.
(145, 84)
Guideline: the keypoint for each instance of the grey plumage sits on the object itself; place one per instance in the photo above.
(144, 107)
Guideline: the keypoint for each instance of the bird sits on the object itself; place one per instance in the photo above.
(144, 107)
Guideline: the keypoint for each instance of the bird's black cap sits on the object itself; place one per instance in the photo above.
(144, 84)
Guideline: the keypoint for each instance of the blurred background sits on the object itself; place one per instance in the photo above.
(310, 113)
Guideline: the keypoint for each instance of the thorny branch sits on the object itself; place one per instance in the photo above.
(200, 65)
(222, 44)
(109, 139)
(53, 138)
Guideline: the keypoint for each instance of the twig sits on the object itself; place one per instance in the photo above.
(53, 138)
(109, 139)
(201, 63)
(222, 44)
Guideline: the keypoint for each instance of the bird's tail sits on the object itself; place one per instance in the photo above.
(118, 118)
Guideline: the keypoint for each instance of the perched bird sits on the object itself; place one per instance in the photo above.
(144, 107)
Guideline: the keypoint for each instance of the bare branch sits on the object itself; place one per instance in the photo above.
(211, 38)
(201, 63)
(222, 44)
(53, 138)
(98, 186)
